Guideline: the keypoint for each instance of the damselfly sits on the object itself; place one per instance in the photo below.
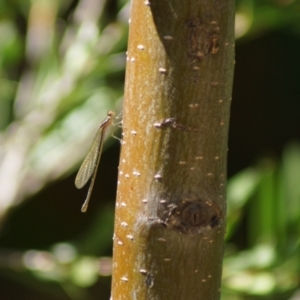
(90, 164)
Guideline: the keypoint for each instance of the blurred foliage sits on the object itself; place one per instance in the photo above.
(61, 69)
(265, 200)
(256, 17)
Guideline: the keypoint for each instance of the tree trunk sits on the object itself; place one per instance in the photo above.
(170, 211)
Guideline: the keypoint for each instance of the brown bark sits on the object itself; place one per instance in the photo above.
(170, 211)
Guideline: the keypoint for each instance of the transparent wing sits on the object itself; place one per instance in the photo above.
(89, 164)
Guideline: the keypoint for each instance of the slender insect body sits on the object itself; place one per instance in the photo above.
(90, 164)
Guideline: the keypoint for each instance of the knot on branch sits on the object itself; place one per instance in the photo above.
(192, 216)
(203, 38)
(172, 122)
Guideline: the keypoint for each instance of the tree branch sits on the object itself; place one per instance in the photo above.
(170, 211)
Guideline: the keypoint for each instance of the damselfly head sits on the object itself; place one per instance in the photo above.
(110, 113)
